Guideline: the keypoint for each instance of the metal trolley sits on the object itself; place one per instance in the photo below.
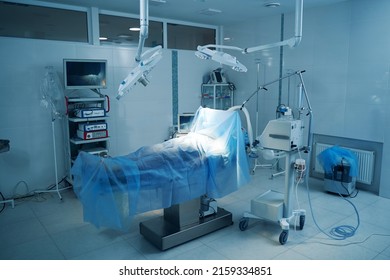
(284, 138)
(277, 207)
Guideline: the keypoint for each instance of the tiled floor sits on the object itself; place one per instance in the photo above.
(46, 228)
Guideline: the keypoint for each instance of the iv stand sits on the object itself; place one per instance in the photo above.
(56, 189)
(309, 113)
(256, 163)
(50, 72)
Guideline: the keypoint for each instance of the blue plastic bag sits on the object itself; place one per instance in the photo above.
(336, 155)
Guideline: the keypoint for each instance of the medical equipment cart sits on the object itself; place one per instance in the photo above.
(87, 127)
(283, 135)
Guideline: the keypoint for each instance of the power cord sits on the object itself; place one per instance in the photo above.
(28, 195)
(341, 232)
(353, 243)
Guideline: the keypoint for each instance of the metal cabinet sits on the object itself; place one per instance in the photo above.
(217, 96)
(87, 128)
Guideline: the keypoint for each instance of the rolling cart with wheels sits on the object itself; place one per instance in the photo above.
(275, 206)
(284, 135)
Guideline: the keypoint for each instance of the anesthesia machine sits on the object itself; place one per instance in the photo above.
(283, 138)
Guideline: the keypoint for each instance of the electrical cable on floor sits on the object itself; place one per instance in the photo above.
(16, 196)
(28, 195)
(340, 232)
(353, 243)
(344, 231)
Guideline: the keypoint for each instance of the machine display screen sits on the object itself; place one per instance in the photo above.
(184, 122)
(80, 73)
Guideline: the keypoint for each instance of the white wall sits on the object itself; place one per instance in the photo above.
(345, 51)
(140, 118)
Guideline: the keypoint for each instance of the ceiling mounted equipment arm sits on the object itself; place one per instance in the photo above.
(144, 27)
(145, 61)
(204, 52)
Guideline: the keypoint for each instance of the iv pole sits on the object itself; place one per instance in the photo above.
(256, 163)
(309, 113)
(50, 86)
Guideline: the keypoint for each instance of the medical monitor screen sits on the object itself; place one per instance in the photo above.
(81, 73)
(185, 122)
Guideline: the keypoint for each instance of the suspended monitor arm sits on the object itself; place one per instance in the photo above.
(204, 52)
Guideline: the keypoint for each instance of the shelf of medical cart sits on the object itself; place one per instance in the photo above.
(79, 141)
(217, 96)
(95, 151)
(87, 99)
(88, 119)
(98, 146)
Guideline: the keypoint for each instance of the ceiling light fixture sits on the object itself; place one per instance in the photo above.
(157, 2)
(210, 12)
(272, 4)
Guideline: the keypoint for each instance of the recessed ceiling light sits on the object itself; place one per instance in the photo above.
(134, 29)
(210, 12)
(124, 36)
(103, 38)
(272, 4)
(157, 2)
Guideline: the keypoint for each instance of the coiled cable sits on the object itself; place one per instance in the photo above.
(341, 232)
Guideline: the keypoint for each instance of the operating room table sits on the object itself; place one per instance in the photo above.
(176, 175)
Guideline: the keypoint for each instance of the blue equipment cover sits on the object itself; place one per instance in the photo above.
(211, 160)
(336, 155)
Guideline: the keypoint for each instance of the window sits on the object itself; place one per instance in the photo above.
(189, 37)
(42, 22)
(115, 30)
(28, 21)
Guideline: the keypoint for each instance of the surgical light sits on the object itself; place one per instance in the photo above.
(140, 72)
(144, 61)
(205, 52)
(221, 57)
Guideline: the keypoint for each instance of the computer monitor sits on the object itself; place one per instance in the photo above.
(85, 73)
(184, 122)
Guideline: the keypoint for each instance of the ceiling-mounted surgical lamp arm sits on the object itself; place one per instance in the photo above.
(144, 27)
(146, 61)
(292, 42)
(205, 53)
(139, 73)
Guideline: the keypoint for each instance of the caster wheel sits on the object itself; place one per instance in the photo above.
(243, 225)
(283, 237)
(301, 221)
